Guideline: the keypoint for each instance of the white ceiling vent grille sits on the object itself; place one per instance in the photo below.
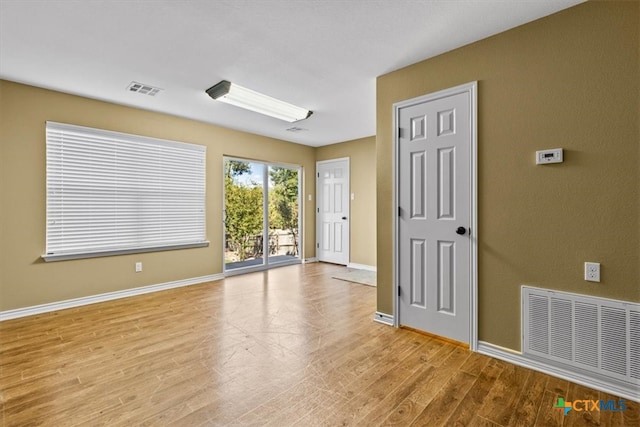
(143, 89)
(583, 333)
(296, 129)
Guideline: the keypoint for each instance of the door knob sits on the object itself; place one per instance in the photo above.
(344, 217)
(461, 230)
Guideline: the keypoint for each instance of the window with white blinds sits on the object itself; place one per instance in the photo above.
(111, 193)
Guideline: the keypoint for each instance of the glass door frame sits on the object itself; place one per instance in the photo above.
(266, 264)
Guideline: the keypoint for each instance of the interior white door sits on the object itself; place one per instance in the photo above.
(434, 195)
(333, 211)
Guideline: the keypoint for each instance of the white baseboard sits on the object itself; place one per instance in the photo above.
(77, 302)
(384, 318)
(588, 380)
(309, 260)
(362, 266)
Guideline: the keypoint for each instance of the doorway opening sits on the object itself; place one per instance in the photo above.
(262, 215)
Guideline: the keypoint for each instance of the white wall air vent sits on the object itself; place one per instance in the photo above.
(583, 333)
(143, 89)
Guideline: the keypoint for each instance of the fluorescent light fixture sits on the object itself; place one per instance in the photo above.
(239, 96)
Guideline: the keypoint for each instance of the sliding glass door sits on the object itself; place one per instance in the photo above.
(284, 212)
(261, 215)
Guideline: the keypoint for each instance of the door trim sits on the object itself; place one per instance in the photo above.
(472, 89)
(318, 232)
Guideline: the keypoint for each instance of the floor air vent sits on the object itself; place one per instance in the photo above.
(585, 333)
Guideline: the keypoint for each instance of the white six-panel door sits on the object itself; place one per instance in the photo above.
(435, 215)
(333, 211)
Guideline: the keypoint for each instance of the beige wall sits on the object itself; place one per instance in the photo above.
(362, 161)
(25, 280)
(569, 80)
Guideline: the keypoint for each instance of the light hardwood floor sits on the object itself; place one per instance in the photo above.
(291, 346)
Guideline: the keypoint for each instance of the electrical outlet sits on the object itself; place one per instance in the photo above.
(138, 267)
(592, 271)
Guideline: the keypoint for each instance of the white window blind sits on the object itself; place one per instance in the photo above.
(110, 193)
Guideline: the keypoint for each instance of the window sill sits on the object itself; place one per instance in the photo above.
(66, 257)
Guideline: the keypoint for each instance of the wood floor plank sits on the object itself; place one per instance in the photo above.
(390, 355)
(474, 399)
(631, 415)
(446, 401)
(503, 397)
(422, 396)
(583, 414)
(612, 418)
(397, 397)
(287, 347)
(403, 414)
(479, 421)
(557, 385)
(290, 413)
(350, 412)
(443, 359)
(547, 414)
(475, 364)
(526, 409)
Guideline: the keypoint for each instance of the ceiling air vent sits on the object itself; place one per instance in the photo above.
(143, 89)
(296, 129)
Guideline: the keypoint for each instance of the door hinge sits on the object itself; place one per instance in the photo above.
(399, 290)
(399, 132)
(318, 210)
(317, 245)
(318, 174)
(399, 211)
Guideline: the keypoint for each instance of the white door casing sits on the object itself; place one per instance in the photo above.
(332, 211)
(436, 227)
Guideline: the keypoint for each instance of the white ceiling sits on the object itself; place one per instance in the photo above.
(323, 55)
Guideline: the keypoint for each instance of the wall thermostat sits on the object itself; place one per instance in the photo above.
(549, 156)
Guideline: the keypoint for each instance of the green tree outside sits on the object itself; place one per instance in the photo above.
(243, 211)
(283, 202)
